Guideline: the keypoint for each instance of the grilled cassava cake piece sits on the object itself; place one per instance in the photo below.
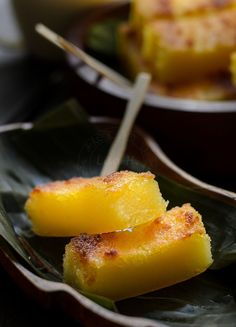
(233, 67)
(190, 48)
(118, 265)
(185, 45)
(216, 87)
(149, 10)
(95, 205)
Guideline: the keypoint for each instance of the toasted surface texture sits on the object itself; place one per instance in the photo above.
(95, 205)
(190, 48)
(171, 249)
(217, 87)
(146, 11)
(182, 42)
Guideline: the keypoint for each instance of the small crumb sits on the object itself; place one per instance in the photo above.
(111, 253)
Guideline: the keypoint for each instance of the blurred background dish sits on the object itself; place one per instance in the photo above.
(188, 47)
(196, 134)
(188, 56)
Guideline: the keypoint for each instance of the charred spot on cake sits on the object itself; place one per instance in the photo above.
(112, 178)
(221, 3)
(109, 236)
(157, 227)
(75, 180)
(189, 42)
(164, 7)
(69, 181)
(111, 254)
(214, 4)
(36, 190)
(117, 176)
(161, 224)
(190, 218)
(86, 244)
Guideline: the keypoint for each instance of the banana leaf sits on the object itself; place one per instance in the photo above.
(65, 144)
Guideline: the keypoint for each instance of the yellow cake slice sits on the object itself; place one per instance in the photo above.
(190, 48)
(129, 52)
(118, 265)
(233, 67)
(217, 87)
(149, 10)
(95, 205)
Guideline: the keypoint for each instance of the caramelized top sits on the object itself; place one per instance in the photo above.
(199, 33)
(216, 87)
(156, 8)
(176, 224)
(111, 182)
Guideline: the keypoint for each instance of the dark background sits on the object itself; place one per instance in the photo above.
(28, 88)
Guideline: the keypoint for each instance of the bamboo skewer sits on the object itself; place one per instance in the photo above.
(117, 150)
(90, 61)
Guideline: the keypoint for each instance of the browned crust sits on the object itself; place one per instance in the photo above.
(111, 253)
(168, 7)
(163, 7)
(217, 30)
(214, 87)
(75, 182)
(190, 218)
(85, 244)
(178, 223)
(115, 177)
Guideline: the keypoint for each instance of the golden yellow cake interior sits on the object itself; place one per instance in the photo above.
(95, 205)
(118, 265)
(233, 67)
